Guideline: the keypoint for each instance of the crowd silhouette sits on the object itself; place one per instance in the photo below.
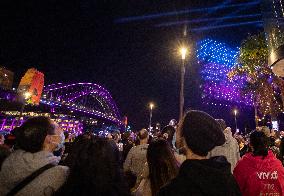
(199, 156)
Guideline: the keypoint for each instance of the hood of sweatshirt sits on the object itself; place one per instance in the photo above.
(259, 163)
(21, 164)
(209, 177)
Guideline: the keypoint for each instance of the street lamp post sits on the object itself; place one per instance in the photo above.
(235, 112)
(150, 116)
(183, 52)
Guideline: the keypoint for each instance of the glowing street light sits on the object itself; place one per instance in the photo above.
(151, 105)
(183, 52)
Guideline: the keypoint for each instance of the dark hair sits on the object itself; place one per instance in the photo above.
(259, 142)
(31, 135)
(222, 123)
(115, 135)
(66, 134)
(94, 169)
(125, 135)
(162, 164)
(142, 134)
(170, 130)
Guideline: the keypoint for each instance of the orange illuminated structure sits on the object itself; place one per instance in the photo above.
(31, 86)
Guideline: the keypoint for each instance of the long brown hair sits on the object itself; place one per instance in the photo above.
(162, 164)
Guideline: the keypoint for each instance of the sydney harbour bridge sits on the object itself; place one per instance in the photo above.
(88, 98)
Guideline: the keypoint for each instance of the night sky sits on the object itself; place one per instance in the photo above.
(87, 41)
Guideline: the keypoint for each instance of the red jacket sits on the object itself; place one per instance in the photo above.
(260, 177)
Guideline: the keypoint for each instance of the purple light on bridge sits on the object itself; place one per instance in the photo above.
(3, 124)
(74, 96)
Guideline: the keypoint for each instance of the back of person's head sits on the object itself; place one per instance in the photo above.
(31, 135)
(94, 169)
(143, 134)
(162, 164)
(222, 123)
(201, 132)
(168, 133)
(265, 130)
(66, 135)
(116, 135)
(125, 135)
(173, 123)
(259, 143)
(228, 132)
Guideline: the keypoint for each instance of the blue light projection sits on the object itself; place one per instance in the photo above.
(217, 60)
(215, 52)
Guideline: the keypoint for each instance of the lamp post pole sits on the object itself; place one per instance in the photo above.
(183, 52)
(235, 112)
(150, 116)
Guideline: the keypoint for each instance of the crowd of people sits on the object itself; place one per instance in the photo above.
(199, 156)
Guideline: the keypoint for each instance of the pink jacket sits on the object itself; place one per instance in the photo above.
(258, 176)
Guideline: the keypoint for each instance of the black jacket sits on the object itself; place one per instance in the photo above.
(203, 177)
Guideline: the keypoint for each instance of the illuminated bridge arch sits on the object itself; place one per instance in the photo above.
(83, 97)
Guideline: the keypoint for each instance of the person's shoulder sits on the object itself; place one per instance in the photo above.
(47, 182)
(276, 163)
(61, 168)
(132, 149)
(167, 190)
(243, 162)
(174, 187)
(59, 172)
(139, 147)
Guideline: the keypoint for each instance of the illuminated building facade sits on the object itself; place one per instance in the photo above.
(273, 16)
(67, 123)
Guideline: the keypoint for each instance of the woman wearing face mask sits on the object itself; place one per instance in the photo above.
(33, 169)
(59, 150)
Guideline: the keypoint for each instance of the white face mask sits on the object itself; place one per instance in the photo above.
(61, 143)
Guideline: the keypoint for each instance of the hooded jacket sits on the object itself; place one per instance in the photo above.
(230, 149)
(203, 177)
(260, 176)
(21, 164)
